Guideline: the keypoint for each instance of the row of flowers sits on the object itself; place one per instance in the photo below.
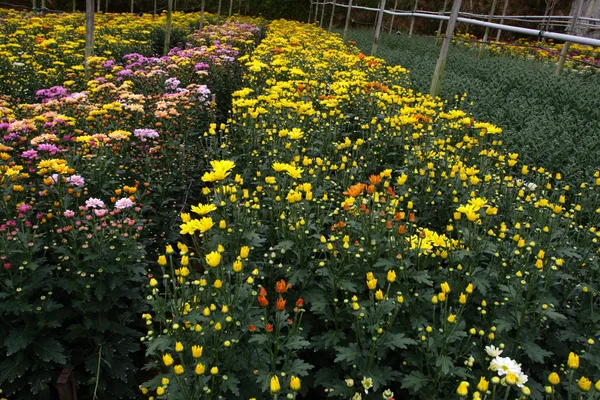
(356, 239)
(90, 182)
(580, 57)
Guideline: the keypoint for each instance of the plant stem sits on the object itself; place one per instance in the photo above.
(98, 372)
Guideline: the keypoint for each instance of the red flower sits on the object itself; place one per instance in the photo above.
(280, 304)
(262, 291)
(269, 328)
(282, 287)
(300, 302)
(262, 300)
(252, 328)
(412, 217)
(402, 229)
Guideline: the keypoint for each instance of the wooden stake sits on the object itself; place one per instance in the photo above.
(131, 6)
(34, 5)
(168, 28)
(378, 29)
(502, 20)
(316, 11)
(487, 29)
(74, 5)
(310, 11)
(392, 21)
(412, 20)
(89, 36)
(219, 13)
(230, 7)
(347, 19)
(44, 4)
(565, 48)
(436, 81)
(332, 14)
(439, 31)
(322, 14)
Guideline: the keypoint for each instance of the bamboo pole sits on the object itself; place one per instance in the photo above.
(322, 14)
(347, 19)
(412, 20)
(565, 48)
(439, 31)
(378, 28)
(502, 20)
(392, 21)
(219, 13)
(89, 36)
(168, 28)
(331, 17)
(202, 14)
(436, 81)
(487, 29)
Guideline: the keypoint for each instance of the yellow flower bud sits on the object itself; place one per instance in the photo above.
(274, 385)
(295, 383)
(199, 370)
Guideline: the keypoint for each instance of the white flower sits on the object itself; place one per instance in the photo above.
(504, 365)
(123, 203)
(521, 379)
(367, 384)
(492, 351)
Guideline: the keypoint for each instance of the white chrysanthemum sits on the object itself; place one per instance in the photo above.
(521, 379)
(492, 351)
(504, 365)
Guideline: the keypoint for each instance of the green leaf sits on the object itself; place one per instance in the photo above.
(296, 343)
(384, 263)
(50, 350)
(415, 381)
(299, 368)
(555, 316)
(421, 277)
(348, 354)
(231, 385)
(444, 363)
(11, 368)
(258, 338)
(158, 345)
(535, 352)
(397, 341)
(18, 339)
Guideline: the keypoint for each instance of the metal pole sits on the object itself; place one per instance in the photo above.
(392, 21)
(89, 35)
(487, 29)
(332, 14)
(436, 81)
(565, 49)
(322, 14)
(347, 19)
(412, 20)
(168, 29)
(439, 31)
(378, 29)
(202, 14)
(502, 20)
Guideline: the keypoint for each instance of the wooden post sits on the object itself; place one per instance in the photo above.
(74, 5)
(316, 11)
(131, 7)
(487, 29)
(347, 19)
(89, 36)
(332, 14)
(66, 385)
(154, 12)
(310, 11)
(202, 15)
(168, 28)
(412, 20)
(106, 6)
(43, 4)
(230, 7)
(439, 31)
(322, 14)
(392, 21)
(240, 7)
(565, 48)
(219, 13)
(174, 5)
(502, 20)
(98, 6)
(378, 29)
(436, 81)
(34, 5)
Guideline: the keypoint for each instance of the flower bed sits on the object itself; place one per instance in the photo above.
(356, 239)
